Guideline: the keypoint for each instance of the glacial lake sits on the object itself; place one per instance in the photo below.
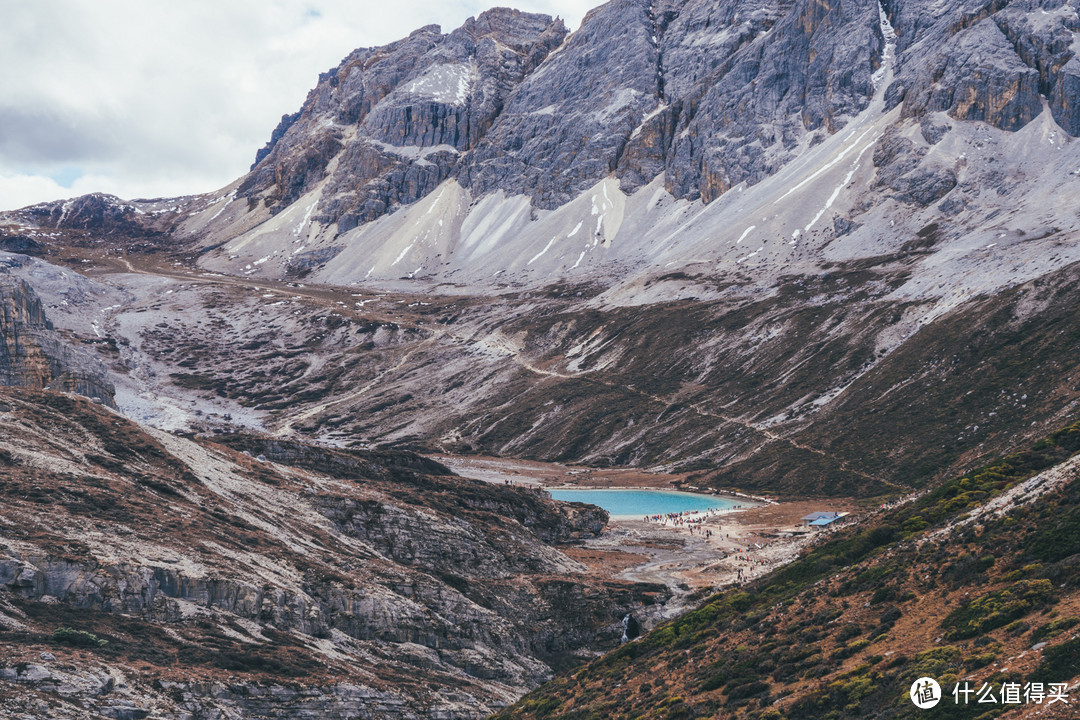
(629, 503)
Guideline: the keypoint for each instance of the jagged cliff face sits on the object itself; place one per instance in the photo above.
(747, 141)
(689, 88)
(395, 120)
(32, 355)
(633, 144)
(261, 576)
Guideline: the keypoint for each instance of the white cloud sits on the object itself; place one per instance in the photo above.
(144, 99)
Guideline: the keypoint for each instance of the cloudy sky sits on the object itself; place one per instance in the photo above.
(149, 98)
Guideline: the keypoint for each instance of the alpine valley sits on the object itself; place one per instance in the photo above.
(820, 250)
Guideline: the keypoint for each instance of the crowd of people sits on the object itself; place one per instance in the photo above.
(746, 564)
(688, 518)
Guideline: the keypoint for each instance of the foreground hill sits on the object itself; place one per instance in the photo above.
(142, 572)
(977, 580)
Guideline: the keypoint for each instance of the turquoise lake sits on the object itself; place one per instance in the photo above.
(638, 503)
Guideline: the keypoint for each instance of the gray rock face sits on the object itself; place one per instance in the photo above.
(32, 355)
(707, 96)
(979, 77)
(898, 159)
(399, 116)
(567, 125)
(696, 96)
(711, 95)
(807, 66)
(988, 62)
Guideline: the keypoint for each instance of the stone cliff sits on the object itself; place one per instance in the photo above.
(711, 96)
(32, 355)
(264, 578)
(509, 151)
(396, 119)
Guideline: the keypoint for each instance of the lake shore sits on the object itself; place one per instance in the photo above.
(744, 543)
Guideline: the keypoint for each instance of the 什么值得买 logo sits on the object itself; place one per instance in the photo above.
(925, 693)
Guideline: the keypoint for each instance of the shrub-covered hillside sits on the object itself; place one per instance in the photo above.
(976, 581)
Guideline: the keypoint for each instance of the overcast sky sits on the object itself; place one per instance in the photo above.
(148, 98)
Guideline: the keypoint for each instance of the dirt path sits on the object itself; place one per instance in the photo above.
(495, 341)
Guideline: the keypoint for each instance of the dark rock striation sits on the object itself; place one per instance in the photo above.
(795, 69)
(566, 126)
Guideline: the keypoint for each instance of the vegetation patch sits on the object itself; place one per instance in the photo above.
(78, 638)
(998, 609)
(1060, 663)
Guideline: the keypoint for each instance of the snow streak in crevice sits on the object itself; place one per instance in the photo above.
(888, 55)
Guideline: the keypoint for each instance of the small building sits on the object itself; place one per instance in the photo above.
(820, 519)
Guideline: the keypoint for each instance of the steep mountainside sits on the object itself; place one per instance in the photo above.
(975, 581)
(262, 578)
(633, 146)
(753, 240)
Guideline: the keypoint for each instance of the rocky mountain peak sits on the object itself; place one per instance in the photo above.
(397, 117)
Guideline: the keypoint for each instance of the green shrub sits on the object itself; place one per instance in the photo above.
(546, 707)
(1059, 539)
(936, 662)
(965, 568)
(1060, 663)
(848, 632)
(78, 638)
(1055, 627)
(979, 661)
(883, 594)
(997, 609)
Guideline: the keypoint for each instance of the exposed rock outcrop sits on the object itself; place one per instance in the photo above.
(32, 355)
(567, 124)
(399, 116)
(979, 76)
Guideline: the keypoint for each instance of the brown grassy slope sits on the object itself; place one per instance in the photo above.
(961, 583)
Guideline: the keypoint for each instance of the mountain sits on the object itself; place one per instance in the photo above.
(677, 134)
(33, 355)
(852, 221)
(174, 577)
(802, 248)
